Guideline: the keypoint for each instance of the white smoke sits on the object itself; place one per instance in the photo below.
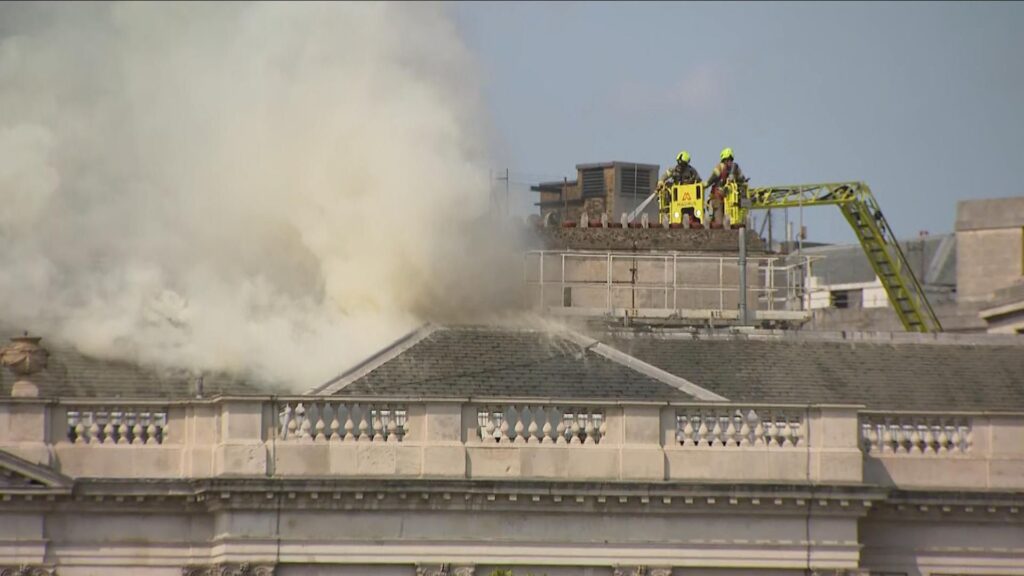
(277, 189)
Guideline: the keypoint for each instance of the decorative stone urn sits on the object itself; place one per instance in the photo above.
(24, 357)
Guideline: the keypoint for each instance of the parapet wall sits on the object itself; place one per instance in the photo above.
(654, 238)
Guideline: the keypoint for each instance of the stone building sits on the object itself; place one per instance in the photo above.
(462, 450)
(974, 278)
(604, 187)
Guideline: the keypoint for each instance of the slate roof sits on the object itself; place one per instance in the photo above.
(72, 375)
(506, 363)
(899, 372)
(932, 259)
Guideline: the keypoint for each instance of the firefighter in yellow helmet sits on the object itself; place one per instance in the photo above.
(726, 171)
(683, 173)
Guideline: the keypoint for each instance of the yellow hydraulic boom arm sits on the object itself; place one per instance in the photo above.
(861, 210)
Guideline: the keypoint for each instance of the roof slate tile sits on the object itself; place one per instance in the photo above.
(467, 361)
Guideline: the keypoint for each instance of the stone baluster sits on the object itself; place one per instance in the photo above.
(378, 426)
(589, 430)
(955, 439)
(602, 429)
(289, 428)
(122, 428)
(717, 432)
(786, 432)
(942, 439)
(335, 423)
(563, 423)
(319, 426)
(350, 426)
(745, 429)
(759, 431)
(688, 432)
(898, 439)
(502, 423)
(82, 429)
(151, 434)
(703, 434)
(519, 428)
(364, 425)
(547, 431)
(93, 434)
(109, 428)
(909, 440)
(305, 428)
(916, 445)
(574, 429)
(137, 430)
(930, 438)
(393, 426)
(731, 433)
(771, 431)
(537, 412)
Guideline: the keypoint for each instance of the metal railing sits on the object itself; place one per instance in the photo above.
(669, 282)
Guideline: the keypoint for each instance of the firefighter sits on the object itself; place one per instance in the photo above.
(726, 171)
(666, 179)
(683, 173)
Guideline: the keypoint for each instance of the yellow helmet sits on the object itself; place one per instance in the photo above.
(726, 153)
(683, 156)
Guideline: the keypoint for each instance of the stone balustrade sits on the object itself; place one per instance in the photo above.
(928, 450)
(921, 434)
(342, 421)
(714, 426)
(540, 424)
(99, 425)
(515, 440)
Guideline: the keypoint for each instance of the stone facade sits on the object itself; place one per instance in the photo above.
(990, 246)
(247, 487)
(656, 475)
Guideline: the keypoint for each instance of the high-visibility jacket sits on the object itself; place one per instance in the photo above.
(683, 173)
(724, 173)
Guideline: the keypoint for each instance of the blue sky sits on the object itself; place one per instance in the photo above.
(923, 101)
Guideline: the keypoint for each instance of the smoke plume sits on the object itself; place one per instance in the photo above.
(274, 189)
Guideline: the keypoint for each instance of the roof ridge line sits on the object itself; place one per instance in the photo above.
(374, 361)
(638, 365)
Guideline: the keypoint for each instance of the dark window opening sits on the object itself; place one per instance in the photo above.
(847, 298)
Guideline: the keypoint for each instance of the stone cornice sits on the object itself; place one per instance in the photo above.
(26, 570)
(596, 497)
(236, 569)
